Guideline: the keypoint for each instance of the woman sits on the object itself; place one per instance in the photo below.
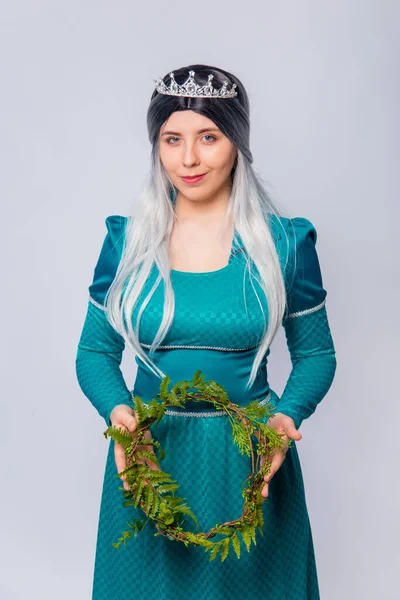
(201, 278)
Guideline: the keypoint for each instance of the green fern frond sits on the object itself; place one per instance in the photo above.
(195, 539)
(255, 410)
(240, 437)
(169, 487)
(183, 387)
(236, 544)
(151, 442)
(158, 477)
(186, 510)
(173, 399)
(225, 548)
(198, 378)
(259, 517)
(127, 503)
(155, 410)
(173, 500)
(161, 454)
(226, 530)
(252, 529)
(153, 474)
(164, 387)
(155, 507)
(246, 537)
(216, 390)
(124, 438)
(140, 408)
(148, 498)
(138, 492)
(147, 454)
(216, 548)
(131, 469)
(205, 543)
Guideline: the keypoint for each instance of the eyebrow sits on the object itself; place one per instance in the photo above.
(200, 131)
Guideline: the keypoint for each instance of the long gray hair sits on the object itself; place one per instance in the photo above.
(147, 233)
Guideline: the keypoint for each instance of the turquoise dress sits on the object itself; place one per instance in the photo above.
(211, 331)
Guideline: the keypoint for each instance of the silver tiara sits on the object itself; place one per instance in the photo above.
(191, 89)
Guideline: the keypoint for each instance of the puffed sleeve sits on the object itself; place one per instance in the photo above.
(306, 325)
(100, 347)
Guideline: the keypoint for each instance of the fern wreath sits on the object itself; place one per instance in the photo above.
(153, 491)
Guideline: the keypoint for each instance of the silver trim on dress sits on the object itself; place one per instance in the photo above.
(307, 310)
(178, 346)
(96, 303)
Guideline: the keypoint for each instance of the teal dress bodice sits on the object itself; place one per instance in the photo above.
(217, 327)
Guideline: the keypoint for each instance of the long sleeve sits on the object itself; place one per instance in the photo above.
(100, 347)
(306, 326)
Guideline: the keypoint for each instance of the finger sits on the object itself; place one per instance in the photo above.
(274, 454)
(263, 461)
(147, 434)
(292, 432)
(265, 490)
(119, 456)
(131, 422)
(276, 463)
(152, 465)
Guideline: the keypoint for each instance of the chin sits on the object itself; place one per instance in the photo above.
(199, 193)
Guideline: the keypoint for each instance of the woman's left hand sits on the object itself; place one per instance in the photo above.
(285, 425)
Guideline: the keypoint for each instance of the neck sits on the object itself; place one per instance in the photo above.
(212, 208)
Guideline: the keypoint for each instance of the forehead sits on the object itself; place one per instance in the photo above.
(187, 121)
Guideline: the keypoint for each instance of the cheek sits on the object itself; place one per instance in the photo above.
(219, 159)
(169, 160)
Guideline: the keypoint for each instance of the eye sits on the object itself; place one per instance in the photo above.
(213, 138)
(210, 136)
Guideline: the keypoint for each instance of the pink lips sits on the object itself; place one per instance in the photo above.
(195, 179)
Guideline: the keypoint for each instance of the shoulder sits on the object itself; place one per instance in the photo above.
(301, 230)
(116, 225)
(115, 234)
(300, 264)
(108, 258)
(295, 228)
(113, 243)
(295, 239)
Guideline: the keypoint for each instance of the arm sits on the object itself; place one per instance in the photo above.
(100, 347)
(97, 363)
(306, 325)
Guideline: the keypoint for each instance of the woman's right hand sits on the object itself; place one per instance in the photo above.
(125, 417)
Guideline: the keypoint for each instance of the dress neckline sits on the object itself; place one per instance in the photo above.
(201, 272)
(237, 244)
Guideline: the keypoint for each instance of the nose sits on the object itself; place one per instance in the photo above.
(190, 156)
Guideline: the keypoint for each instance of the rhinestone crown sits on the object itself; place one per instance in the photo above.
(191, 89)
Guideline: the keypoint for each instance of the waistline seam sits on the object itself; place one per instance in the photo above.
(207, 413)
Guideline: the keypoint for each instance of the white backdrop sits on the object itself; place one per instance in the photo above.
(324, 90)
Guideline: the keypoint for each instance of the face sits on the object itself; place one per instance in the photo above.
(191, 144)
